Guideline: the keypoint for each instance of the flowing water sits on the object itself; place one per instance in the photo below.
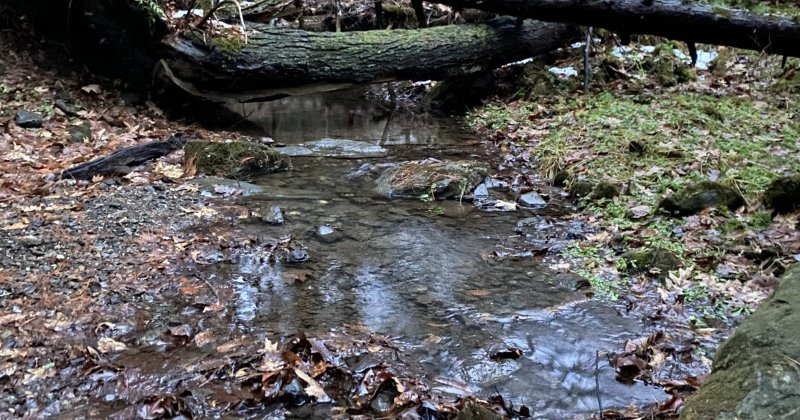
(431, 279)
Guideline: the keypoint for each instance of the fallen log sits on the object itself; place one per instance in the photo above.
(123, 160)
(690, 22)
(277, 63)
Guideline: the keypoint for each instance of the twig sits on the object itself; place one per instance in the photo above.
(586, 50)
(597, 381)
(210, 287)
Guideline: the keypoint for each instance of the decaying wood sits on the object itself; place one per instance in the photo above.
(123, 160)
(674, 19)
(279, 62)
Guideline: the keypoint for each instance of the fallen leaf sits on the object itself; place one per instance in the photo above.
(109, 345)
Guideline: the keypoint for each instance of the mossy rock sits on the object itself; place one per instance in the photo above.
(667, 69)
(755, 373)
(581, 189)
(700, 196)
(604, 191)
(783, 194)
(658, 260)
(475, 411)
(437, 179)
(594, 191)
(235, 160)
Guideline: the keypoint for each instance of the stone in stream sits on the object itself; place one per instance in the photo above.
(236, 160)
(756, 373)
(532, 200)
(698, 197)
(480, 192)
(27, 119)
(335, 148)
(432, 178)
(783, 194)
(272, 215)
(328, 234)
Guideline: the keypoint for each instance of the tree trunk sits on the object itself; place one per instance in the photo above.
(276, 63)
(674, 19)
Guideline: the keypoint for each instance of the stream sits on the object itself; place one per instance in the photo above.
(430, 279)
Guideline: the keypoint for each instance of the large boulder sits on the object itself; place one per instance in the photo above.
(783, 194)
(431, 178)
(698, 197)
(235, 160)
(756, 373)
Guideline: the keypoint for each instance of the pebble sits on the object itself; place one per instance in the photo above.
(27, 119)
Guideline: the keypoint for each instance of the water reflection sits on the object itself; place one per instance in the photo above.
(403, 271)
(344, 115)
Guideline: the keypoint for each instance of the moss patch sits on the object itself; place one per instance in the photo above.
(431, 180)
(698, 197)
(783, 194)
(658, 261)
(236, 160)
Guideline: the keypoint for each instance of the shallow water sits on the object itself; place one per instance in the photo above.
(428, 278)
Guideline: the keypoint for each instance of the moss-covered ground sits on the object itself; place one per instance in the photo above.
(736, 123)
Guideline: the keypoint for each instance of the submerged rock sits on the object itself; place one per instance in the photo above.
(236, 160)
(437, 179)
(700, 196)
(783, 194)
(474, 411)
(328, 234)
(659, 261)
(335, 148)
(27, 119)
(272, 215)
(755, 373)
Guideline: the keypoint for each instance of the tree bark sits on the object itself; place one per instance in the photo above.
(673, 19)
(123, 160)
(277, 63)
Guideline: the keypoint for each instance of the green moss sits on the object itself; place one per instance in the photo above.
(658, 261)
(230, 43)
(236, 160)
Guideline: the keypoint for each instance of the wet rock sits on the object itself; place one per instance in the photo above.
(27, 119)
(474, 411)
(296, 255)
(236, 160)
(458, 94)
(700, 196)
(755, 373)
(67, 108)
(434, 178)
(79, 133)
(328, 234)
(480, 192)
(658, 261)
(783, 194)
(335, 148)
(494, 184)
(532, 225)
(532, 200)
(272, 215)
(216, 184)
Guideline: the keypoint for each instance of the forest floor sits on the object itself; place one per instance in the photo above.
(650, 125)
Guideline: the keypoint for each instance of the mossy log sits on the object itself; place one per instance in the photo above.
(687, 21)
(278, 62)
